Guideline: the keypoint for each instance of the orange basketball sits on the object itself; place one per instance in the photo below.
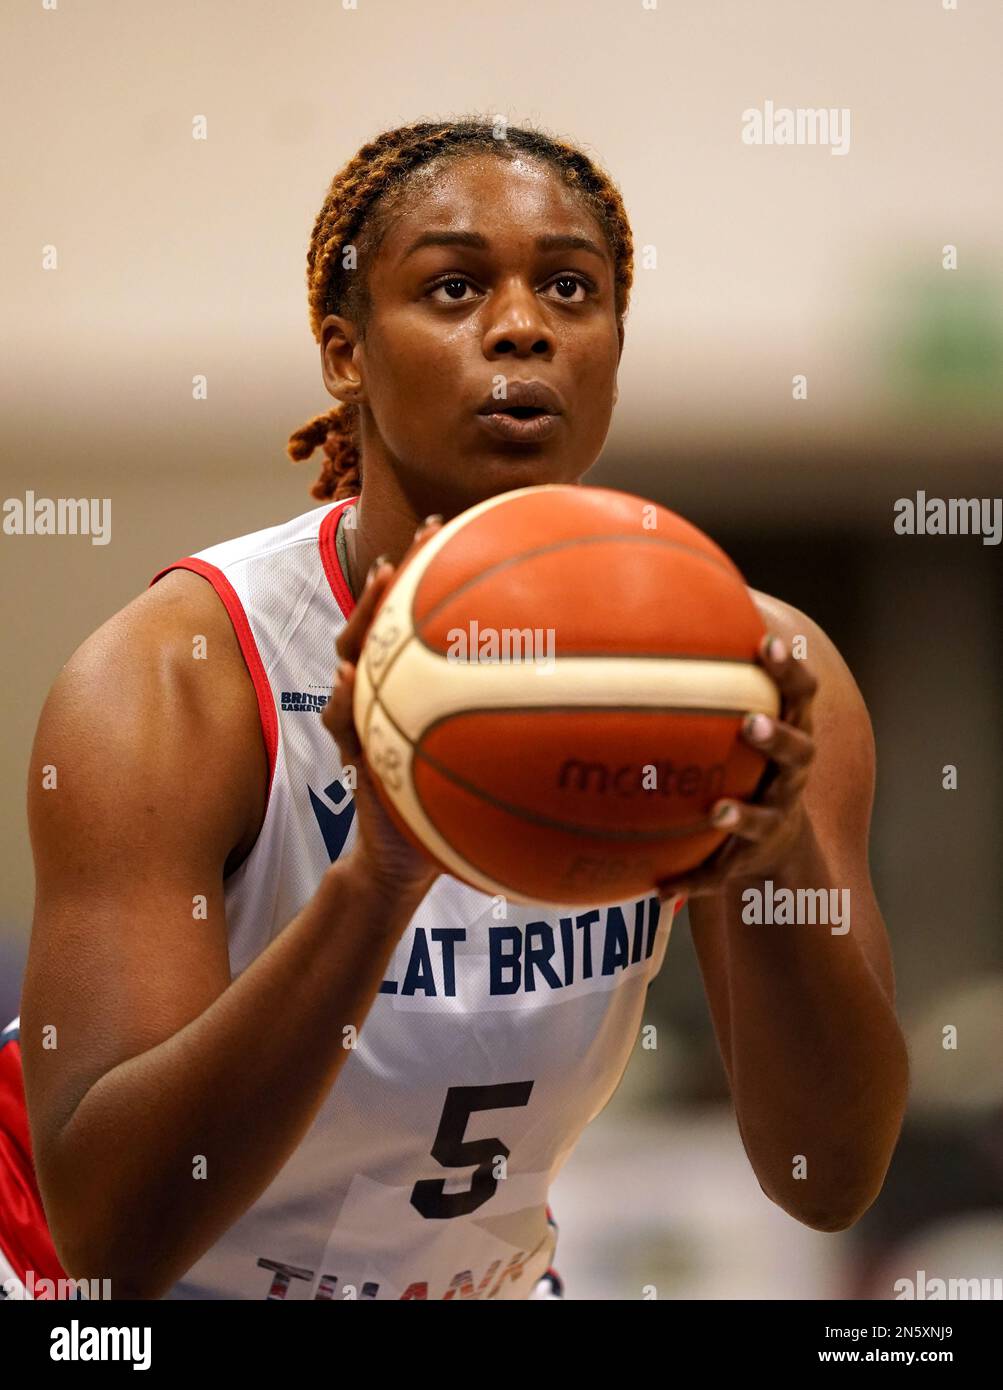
(551, 692)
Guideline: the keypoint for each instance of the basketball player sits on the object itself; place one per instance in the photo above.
(268, 1051)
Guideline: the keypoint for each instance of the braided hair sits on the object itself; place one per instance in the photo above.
(356, 209)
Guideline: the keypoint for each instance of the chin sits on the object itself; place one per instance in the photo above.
(474, 480)
(504, 472)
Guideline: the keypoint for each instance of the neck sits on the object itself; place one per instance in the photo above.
(392, 505)
(385, 524)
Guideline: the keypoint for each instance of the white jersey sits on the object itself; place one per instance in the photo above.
(499, 1032)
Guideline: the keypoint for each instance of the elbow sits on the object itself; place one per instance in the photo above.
(838, 1214)
(831, 1221)
(91, 1245)
(836, 1211)
(86, 1257)
(89, 1260)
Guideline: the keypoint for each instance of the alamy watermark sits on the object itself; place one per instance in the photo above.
(950, 516)
(76, 1343)
(827, 907)
(45, 1289)
(930, 1287)
(531, 646)
(801, 125)
(60, 516)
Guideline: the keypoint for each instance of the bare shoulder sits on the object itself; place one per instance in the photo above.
(180, 605)
(160, 694)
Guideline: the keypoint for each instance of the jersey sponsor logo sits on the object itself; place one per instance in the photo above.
(541, 955)
(335, 820)
(299, 702)
(461, 1285)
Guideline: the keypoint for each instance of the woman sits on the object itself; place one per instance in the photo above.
(262, 1049)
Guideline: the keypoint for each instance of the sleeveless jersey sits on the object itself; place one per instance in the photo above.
(499, 1031)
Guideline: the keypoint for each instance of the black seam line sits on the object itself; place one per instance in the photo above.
(674, 832)
(465, 859)
(476, 865)
(418, 752)
(528, 555)
(566, 544)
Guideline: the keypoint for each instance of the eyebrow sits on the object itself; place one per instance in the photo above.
(477, 242)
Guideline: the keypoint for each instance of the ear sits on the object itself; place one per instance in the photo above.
(342, 377)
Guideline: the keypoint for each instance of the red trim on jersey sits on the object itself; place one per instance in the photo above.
(329, 557)
(248, 646)
(24, 1233)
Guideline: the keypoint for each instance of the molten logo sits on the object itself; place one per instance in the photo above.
(658, 779)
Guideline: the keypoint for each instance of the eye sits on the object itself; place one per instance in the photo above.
(450, 284)
(567, 285)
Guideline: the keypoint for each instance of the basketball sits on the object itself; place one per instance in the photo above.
(551, 694)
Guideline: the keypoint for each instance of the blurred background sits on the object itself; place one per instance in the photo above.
(178, 257)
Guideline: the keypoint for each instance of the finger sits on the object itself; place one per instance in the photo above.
(349, 641)
(709, 873)
(706, 878)
(744, 821)
(712, 874)
(381, 574)
(424, 533)
(794, 679)
(688, 888)
(780, 741)
(337, 713)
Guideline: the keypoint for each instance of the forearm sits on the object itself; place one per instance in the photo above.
(240, 1086)
(815, 1056)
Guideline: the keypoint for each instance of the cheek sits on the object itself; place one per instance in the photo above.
(411, 372)
(595, 377)
(397, 389)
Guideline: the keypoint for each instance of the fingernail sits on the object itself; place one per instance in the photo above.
(758, 727)
(431, 520)
(775, 648)
(725, 813)
(380, 560)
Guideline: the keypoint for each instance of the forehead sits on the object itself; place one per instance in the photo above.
(501, 197)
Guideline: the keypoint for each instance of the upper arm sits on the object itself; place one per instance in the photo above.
(147, 771)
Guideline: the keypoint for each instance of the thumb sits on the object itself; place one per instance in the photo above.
(337, 713)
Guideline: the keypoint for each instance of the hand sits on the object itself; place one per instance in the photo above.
(762, 832)
(381, 854)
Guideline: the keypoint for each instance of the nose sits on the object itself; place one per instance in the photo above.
(518, 326)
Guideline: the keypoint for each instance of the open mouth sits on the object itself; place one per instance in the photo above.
(520, 424)
(528, 413)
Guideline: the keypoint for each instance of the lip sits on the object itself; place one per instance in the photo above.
(530, 431)
(529, 393)
(535, 395)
